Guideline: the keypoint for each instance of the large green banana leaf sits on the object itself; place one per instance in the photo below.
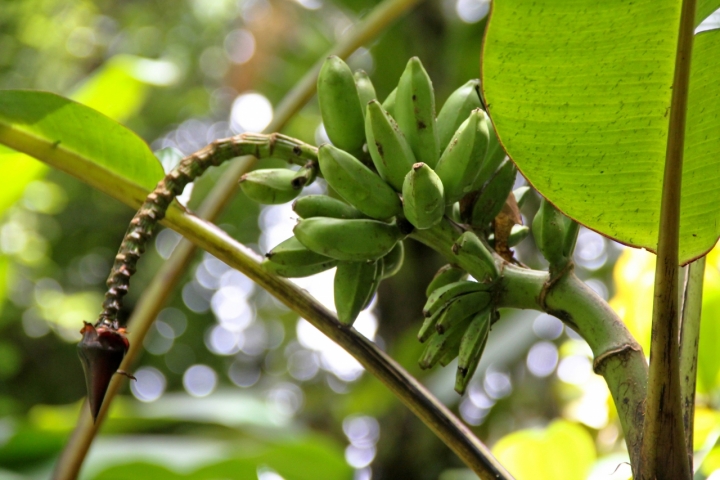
(79, 140)
(579, 92)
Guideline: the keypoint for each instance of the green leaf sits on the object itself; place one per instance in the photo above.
(579, 94)
(704, 8)
(563, 450)
(118, 89)
(78, 140)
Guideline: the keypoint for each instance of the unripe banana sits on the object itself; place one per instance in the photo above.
(445, 276)
(445, 294)
(393, 261)
(449, 355)
(357, 184)
(471, 349)
(570, 238)
(554, 234)
(306, 175)
(348, 240)
(440, 345)
(427, 329)
(521, 195)
(461, 308)
(492, 198)
(379, 275)
(415, 112)
(494, 155)
(324, 206)
(297, 271)
(461, 160)
(340, 105)
(518, 233)
(452, 211)
(456, 110)
(271, 186)
(389, 103)
(365, 88)
(423, 200)
(469, 247)
(292, 259)
(388, 148)
(354, 282)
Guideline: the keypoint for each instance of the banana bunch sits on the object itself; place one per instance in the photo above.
(390, 163)
(457, 323)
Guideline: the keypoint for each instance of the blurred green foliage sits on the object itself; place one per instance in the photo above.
(284, 403)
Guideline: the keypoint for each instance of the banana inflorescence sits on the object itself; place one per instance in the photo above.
(395, 164)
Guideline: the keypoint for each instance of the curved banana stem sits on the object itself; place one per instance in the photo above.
(617, 355)
(153, 210)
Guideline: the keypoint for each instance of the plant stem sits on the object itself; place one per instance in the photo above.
(663, 452)
(689, 342)
(618, 357)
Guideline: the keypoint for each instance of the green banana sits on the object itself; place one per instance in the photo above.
(446, 275)
(461, 308)
(518, 233)
(427, 329)
(393, 261)
(348, 240)
(555, 234)
(354, 282)
(324, 206)
(306, 175)
(340, 105)
(521, 195)
(389, 103)
(292, 259)
(365, 88)
(415, 112)
(570, 238)
(458, 166)
(357, 184)
(423, 201)
(494, 155)
(297, 271)
(439, 345)
(471, 349)
(449, 355)
(469, 246)
(271, 186)
(492, 198)
(388, 148)
(456, 110)
(549, 228)
(452, 211)
(440, 297)
(379, 275)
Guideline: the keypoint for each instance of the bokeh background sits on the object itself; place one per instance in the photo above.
(231, 383)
